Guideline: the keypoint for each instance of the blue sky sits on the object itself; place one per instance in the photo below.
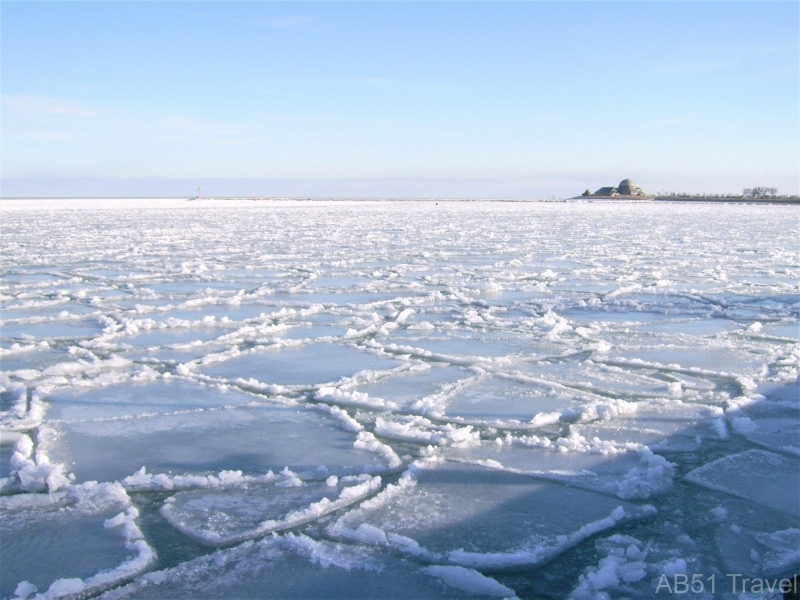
(482, 99)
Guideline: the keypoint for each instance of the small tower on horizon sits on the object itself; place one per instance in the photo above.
(198, 192)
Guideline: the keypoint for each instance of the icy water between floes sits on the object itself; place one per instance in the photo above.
(397, 399)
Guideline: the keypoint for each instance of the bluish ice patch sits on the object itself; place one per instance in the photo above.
(464, 347)
(512, 296)
(787, 392)
(128, 302)
(148, 338)
(469, 514)
(314, 331)
(133, 400)
(167, 355)
(715, 358)
(69, 289)
(6, 451)
(186, 288)
(80, 329)
(587, 316)
(309, 365)
(743, 314)
(44, 543)
(597, 379)
(235, 513)
(301, 568)
(408, 386)
(346, 298)
(515, 312)
(18, 311)
(253, 440)
(609, 473)
(663, 426)
(558, 265)
(693, 327)
(766, 478)
(781, 434)
(39, 359)
(343, 282)
(492, 399)
(113, 274)
(25, 277)
(789, 330)
(583, 286)
(237, 312)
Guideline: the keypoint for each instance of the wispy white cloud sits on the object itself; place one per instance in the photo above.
(192, 125)
(742, 56)
(235, 142)
(270, 22)
(773, 73)
(688, 67)
(304, 87)
(674, 120)
(24, 105)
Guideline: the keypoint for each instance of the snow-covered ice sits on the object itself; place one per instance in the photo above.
(396, 399)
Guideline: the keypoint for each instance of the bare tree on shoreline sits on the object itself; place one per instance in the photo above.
(760, 192)
(755, 193)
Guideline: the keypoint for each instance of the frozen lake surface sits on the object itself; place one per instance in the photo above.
(397, 399)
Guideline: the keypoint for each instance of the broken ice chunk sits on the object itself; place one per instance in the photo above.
(611, 470)
(476, 517)
(765, 477)
(300, 568)
(233, 514)
(251, 439)
(128, 400)
(81, 540)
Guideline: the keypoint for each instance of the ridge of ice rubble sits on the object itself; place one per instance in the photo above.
(33, 470)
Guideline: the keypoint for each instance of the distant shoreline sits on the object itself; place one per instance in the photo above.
(694, 199)
(634, 199)
(722, 199)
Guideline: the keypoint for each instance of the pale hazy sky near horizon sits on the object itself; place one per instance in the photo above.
(482, 99)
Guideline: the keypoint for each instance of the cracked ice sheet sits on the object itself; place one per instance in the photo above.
(753, 552)
(771, 421)
(503, 402)
(594, 379)
(721, 358)
(297, 567)
(766, 478)
(252, 439)
(663, 425)
(55, 331)
(81, 540)
(483, 518)
(405, 388)
(161, 397)
(309, 365)
(232, 514)
(29, 357)
(604, 468)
